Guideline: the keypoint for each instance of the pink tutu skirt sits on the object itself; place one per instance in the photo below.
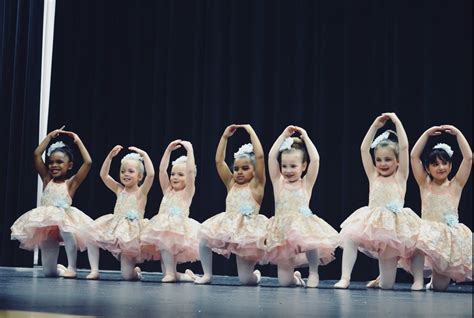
(447, 249)
(290, 235)
(233, 232)
(382, 233)
(117, 234)
(176, 234)
(46, 222)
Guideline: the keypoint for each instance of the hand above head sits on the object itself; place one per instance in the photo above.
(434, 131)
(290, 130)
(175, 144)
(392, 116)
(55, 133)
(137, 150)
(381, 120)
(187, 145)
(230, 130)
(450, 129)
(301, 131)
(115, 150)
(75, 138)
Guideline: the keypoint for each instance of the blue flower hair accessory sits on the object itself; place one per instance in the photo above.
(54, 146)
(383, 136)
(445, 147)
(394, 207)
(451, 220)
(132, 156)
(132, 215)
(181, 159)
(286, 144)
(246, 149)
(306, 211)
(246, 210)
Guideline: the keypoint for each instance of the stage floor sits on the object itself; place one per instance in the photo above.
(25, 290)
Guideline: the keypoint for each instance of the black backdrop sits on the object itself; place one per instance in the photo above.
(146, 72)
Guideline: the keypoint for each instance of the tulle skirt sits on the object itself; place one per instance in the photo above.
(233, 232)
(117, 234)
(46, 222)
(381, 233)
(291, 235)
(176, 234)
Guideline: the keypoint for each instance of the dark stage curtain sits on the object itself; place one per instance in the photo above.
(21, 25)
(145, 73)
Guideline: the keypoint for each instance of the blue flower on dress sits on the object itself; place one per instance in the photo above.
(246, 210)
(394, 207)
(175, 211)
(61, 203)
(451, 219)
(306, 211)
(132, 215)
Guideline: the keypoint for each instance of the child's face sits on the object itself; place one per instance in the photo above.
(243, 171)
(292, 165)
(178, 176)
(130, 174)
(440, 169)
(59, 164)
(386, 162)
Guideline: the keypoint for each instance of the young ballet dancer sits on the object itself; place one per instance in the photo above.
(295, 236)
(55, 220)
(443, 240)
(240, 229)
(119, 233)
(384, 229)
(171, 236)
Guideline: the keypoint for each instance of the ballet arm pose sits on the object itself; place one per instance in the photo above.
(164, 163)
(273, 165)
(403, 157)
(464, 170)
(40, 165)
(81, 174)
(313, 168)
(222, 168)
(367, 162)
(149, 170)
(105, 169)
(259, 159)
(419, 171)
(190, 169)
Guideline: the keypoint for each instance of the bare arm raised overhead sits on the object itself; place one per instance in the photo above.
(313, 168)
(417, 167)
(464, 171)
(369, 167)
(149, 169)
(105, 169)
(40, 166)
(222, 168)
(164, 163)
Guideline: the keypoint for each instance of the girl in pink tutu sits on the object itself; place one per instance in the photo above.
(241, 229)
(56, 220)
(171, 236)
(296, 236)
(446, 243)
(385, 229)
(119, 233)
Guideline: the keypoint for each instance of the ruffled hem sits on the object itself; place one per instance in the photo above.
(234, 233)
(381, 233)
(448, 249)
(178, 235)
(117, 234)
(290, 236)
(46, 222)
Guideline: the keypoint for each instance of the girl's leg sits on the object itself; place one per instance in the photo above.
(49, 257)
(71, 252)
(169, 270)
(388, 272)
(287, 276)
(93, 254)
(247, 275)
(313, 259)
(128, 269)
(205, 253)
(417, 265)
(440, 282)
(349, 256)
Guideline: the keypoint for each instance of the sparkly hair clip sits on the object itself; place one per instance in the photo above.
(445, 147)
(379, 139)
(132, 156)
(181, 159)
(244, 150)
(286, 144)
(56, 145)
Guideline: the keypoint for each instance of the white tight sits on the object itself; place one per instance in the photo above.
(388, 272)
(49, 257)
(205, 253)
(127, 268)
(440, 282)
(349, 257)
(245, 271)
(71, 249)
(93, 254)
(313, 260)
